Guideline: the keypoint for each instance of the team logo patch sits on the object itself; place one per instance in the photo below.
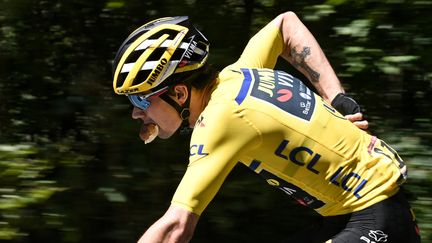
(284, 91)
(375, 236)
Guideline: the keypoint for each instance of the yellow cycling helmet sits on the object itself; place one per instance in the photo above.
(156, 51)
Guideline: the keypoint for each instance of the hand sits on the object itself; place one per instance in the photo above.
(348, 107)
(357, 119)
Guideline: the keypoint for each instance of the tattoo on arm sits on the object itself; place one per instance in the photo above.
(299, 62)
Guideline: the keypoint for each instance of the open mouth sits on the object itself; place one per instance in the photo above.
(149, 132)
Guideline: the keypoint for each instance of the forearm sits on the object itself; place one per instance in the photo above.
(158, 232)
(177, 225)
(303, 51)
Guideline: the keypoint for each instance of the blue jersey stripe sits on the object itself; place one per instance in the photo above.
(245, 86)
(254, 164)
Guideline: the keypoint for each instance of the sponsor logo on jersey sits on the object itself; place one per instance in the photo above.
(285, 95)
(284, 91)
(296, 154)
(301, 196)
(302, 156)
(197, 149)
(342, 178)
(200, 122)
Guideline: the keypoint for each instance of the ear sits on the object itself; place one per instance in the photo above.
(181, 93)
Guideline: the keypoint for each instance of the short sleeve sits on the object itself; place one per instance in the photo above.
(262, 50)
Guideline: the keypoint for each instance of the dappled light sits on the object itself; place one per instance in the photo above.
(73, 168)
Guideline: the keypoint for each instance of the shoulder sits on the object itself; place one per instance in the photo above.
(223, 126)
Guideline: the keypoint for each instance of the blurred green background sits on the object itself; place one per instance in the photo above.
(73, 169)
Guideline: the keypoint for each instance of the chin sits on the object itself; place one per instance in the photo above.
(163, 135)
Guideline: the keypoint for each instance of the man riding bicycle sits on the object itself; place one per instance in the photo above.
(268, 120)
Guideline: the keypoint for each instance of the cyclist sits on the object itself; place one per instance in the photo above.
(268, 120)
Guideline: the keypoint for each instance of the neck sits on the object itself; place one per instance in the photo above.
(199, 101)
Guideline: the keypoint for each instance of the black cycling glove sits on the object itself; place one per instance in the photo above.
(345, 104)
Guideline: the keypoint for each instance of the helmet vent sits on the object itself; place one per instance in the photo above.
(121, 78)
(133, 57)
(141, 76)
(156, 54)
(172, 34)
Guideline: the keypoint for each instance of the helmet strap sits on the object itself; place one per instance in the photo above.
(183, 111)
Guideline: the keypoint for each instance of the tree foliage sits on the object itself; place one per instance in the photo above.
(72, 168)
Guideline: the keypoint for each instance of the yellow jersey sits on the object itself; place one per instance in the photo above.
(275, 125)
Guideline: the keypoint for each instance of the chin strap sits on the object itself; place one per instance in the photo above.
(183, 111)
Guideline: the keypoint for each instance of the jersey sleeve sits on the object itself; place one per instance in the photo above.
(262, 50)
(213, 154)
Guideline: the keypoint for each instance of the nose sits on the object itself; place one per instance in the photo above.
(138, 113)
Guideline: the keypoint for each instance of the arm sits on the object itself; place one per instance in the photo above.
(303, 51)
(176, 225)
(211, 160)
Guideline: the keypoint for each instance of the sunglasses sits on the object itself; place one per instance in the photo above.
(141, 100)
